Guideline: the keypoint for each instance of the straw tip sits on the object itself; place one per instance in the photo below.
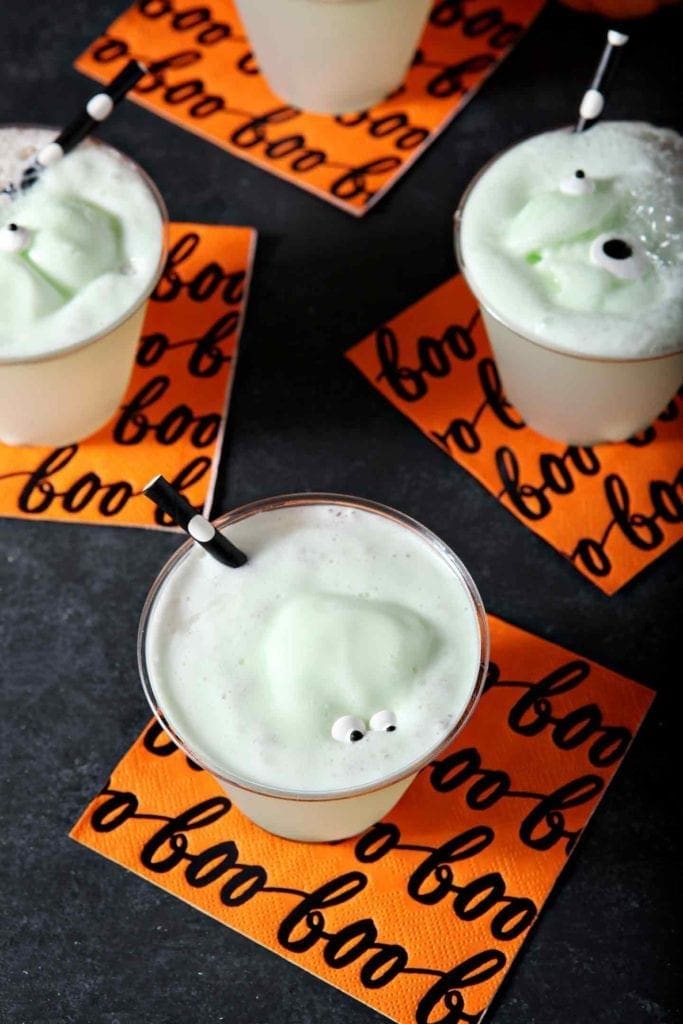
(155, 479)
(616, 38)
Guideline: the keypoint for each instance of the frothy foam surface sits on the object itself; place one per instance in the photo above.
(338, 612)
(94, 239)
(537, 246)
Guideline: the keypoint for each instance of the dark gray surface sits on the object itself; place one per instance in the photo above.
(86, 943)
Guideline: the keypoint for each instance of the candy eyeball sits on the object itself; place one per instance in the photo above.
(579, 184)
(348, 729)
(383, 721)
(622, 257)
(14, 238)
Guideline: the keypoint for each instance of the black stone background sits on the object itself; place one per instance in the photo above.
(87, 943)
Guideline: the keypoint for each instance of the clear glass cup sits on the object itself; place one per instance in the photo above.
(569, 396)
(65, 395)
(334, 56)
(301, 814)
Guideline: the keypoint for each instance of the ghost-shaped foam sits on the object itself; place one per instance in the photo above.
(330, 656)
(73, 241)
(579, 265)
(554, 218)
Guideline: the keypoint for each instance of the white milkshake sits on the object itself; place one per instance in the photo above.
(573, 245)
(315, 681)
(80, 252)
(334, 56)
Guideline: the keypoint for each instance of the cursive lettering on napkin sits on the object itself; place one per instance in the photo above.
(608, 509)
(174, 845)
(421, 915)
(204, 75)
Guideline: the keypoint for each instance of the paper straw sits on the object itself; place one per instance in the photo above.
(593, 101)
(97, 109)
(196, 526)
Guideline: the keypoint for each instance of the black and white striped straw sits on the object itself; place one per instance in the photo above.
(593, 101)
(196, 526)
(97, 109)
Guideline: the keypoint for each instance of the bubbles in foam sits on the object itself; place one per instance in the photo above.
(657, 223)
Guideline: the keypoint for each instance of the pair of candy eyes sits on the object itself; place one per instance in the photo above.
(350, 728)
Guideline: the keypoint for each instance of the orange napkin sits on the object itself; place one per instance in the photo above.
(610, 510)
(204, 78)
(173, 416)
(422, 915)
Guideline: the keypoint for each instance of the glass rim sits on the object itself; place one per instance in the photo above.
(91, 339)
(515, 328)
(318, 498)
